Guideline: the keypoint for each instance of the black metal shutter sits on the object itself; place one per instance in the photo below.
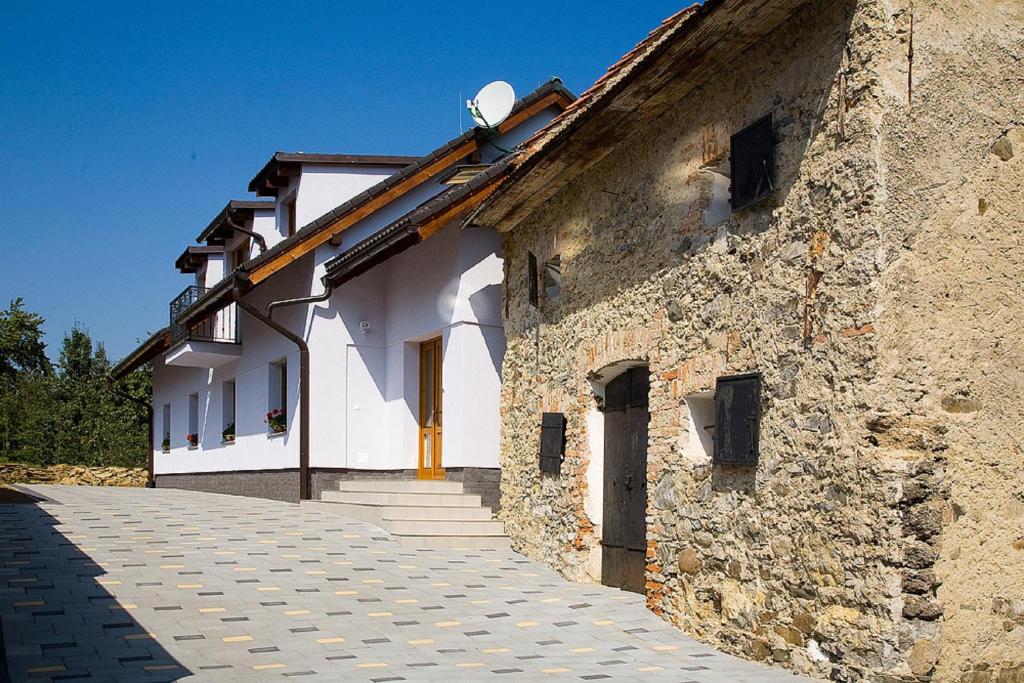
(737, 419)
(534, 294)
(752, 163)
(552, 442)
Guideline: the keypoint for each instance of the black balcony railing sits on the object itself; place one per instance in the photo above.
(221, 326)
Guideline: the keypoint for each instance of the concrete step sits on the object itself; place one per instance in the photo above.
(379, 514)
(445, 527)
(403, 499)
(428, 542)
(400, 486)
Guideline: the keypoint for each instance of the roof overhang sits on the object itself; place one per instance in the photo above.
(147, 351)
(239, 211)
(426, 168)
(685, 51)
(193, 258)
(416, 226)
(283, 166)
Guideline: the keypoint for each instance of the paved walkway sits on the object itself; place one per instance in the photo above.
(135, 584)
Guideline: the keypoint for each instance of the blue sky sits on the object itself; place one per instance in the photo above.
(125, 127)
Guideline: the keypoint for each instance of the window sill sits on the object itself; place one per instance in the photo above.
(276, 435)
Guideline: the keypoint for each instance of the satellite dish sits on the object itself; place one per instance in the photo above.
(492, 104)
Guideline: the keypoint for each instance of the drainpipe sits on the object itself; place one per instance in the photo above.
(262, 243)
(236, 294)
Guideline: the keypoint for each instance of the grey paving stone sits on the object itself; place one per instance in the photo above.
(236, 589)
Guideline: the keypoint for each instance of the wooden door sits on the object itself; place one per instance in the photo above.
(624, 520)
(430, 410)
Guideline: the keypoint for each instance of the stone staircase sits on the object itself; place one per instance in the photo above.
(419, 514)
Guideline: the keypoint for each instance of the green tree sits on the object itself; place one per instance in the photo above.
(22, 349)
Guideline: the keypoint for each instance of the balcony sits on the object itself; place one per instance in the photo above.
(208, 343)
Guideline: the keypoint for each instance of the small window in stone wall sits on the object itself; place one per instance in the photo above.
(552, 442)
(737, 420)
(700, 408)
(553, 278)
(752, 163)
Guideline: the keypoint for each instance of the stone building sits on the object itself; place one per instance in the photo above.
(812, 209)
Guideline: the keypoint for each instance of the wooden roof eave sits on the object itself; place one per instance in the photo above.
(713, 36)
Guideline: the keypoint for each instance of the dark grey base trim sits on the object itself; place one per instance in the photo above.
(284, 484)
(271, 484)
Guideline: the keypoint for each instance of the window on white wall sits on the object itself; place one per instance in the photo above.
(277, 397)
(165, 431)
(193, 421)
(228, 412)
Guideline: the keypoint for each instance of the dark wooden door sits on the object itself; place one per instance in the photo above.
(624, 523)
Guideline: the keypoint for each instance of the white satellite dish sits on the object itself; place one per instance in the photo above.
(492, 104)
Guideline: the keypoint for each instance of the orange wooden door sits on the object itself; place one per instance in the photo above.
(430, 410)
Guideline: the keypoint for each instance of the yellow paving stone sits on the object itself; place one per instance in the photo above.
(379, 614)
(296, 612)
(480, 602)
(154, 552)
(343, 563)
(328, 641)
(291, 556)
(440, 584)
(373, 580)
(245, 569)
(556, 670)
(527, 624)
(495, 650)
(142, 538)
(206, 538)
(552, 600)
(664, 648)
(27, 580)
(372, 665)
(29, 603)
(212, 610)
(407, 601)
(224, 552)
(125, 606)
(379, 552)
(268, 589)
(140, 636)
(649, 669)
(446, 624)
(319, 547)
(295, 533)
(160, 667)
(470, 665)
(172, 566)
(581, 650)
(190, 585)
(268, 541)
(351, 536)
(422, 641)
(45, 669)
(316, 572)
(346, 592)
(407, 566)
(236, 639)
(603, 622)
(264, 667)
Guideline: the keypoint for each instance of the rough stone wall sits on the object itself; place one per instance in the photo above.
(949, 378)
(72, 475)
(833, 556)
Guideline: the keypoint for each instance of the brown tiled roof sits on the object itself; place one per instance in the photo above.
(157, 343)
(193, 257)
(677, 56)
(275, 172)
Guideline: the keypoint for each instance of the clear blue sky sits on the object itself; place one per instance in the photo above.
(125, 127)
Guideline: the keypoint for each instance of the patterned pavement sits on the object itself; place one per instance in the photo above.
(159, 585)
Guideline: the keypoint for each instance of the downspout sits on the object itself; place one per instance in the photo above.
(258, 238)
(236, 294)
